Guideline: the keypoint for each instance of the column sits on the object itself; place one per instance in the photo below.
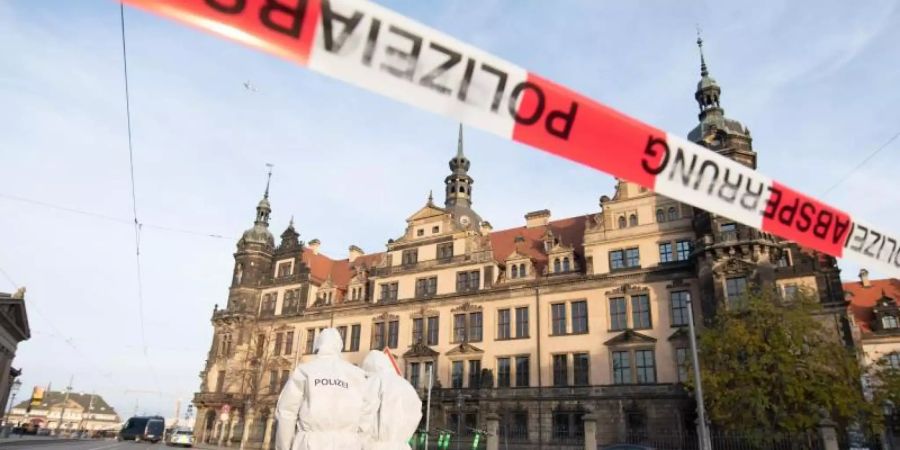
(248, 425)
(493, 431)
(590, 432)
(231, 426)
(827, 435)
(267, 439)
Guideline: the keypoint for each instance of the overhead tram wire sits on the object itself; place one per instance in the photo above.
(112, 218)
(137, 224)
(862, 163)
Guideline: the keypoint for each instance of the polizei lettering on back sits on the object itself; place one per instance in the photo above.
(336, 382)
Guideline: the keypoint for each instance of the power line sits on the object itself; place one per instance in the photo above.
(864, 161)
(111, 218)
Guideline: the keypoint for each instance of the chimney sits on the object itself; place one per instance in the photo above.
(864, 278)
(314, 246)
(355, 252)
(537, 218)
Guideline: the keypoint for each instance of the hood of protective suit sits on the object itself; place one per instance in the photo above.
(329, 342)
(378, 362)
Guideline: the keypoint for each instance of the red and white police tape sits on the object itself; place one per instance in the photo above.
(375, 48)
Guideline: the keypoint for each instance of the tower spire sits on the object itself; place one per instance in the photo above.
(703, 70)
(268, 180)
(459, 183)
(459, 144)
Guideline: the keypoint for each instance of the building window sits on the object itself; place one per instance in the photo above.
(682, 250)
(342, 330)
(665, 252)
(790, 291)
(435, 229)
(640, 312)
(393, 333)
(556, 268)
(426, 287)
(679, 307)
(284, 269)
(260, 346)
(285, 376)
(420, 232)
(503, 326)
(220, 381)
(566, 265)
(660, 216)
(889, 322)
(727, 227)
(621, 221)
(558, 318)
(568, 426)
(503, 373)
(445, 251)
(418, 330)
(617, 259)
(432, 331)
(621, 367)
(893, 360)
(581, 365)
(225, 346)
(273, 381)
(389, 291)
(379, 330)
(522, 322)
(645, 366)
(459, 328)
(735, 288)
(310, 340)
(515, 271)
(522, 272)
(456, 375)
(475, 327)
(468, 281)
(355, 331)
(410, 256)
(279, 337)
(429, 369)
(682, 362)
(632, 257)
(618, 316)
(673, 213)
(474, 373)
(579, 317)
(560, 370)
(268, 303)
(414, 374)
(468, 330)
(291, 301)
(632, 220)
(523, 371)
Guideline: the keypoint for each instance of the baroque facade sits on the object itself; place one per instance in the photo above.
(66, 412)
(13, 330)
(557, 331)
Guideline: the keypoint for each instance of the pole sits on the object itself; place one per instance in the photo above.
(703, 430)
(459, 419)
(428, 404)
(65, 402)
(537, 318)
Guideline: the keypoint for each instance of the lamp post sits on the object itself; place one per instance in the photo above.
(13, 390)
(703, 430)
(888, 424)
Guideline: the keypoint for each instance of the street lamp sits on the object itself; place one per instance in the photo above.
(13, 390)
(888, 406)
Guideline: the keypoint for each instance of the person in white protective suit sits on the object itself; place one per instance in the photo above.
(323, 406)
(399, 408)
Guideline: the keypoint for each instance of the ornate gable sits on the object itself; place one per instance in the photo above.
(630, 337)
(385, 316)
(420, 350)
(464, 348)
(466, 307)
(628, 289)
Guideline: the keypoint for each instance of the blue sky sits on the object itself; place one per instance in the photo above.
(815, 82)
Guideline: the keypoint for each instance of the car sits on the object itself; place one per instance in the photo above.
(43, 432)
(181, 437)
(143, 429)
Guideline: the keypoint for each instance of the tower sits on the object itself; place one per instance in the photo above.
(253, 258)
(458, 200)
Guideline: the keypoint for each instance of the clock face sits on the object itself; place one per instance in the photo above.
(464, 220)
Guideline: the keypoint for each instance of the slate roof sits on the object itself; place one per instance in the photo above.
(54, 397)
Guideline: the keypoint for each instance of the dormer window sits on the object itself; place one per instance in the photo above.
(660, 216)
(284, 269)
(515, 271)
(632, 220)
(435, 229)
(622, 223)
(420, 232)
(673, 213)
(565, 265)
(889, 322)
(556, 266)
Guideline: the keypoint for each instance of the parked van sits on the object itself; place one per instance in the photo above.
(149, 428)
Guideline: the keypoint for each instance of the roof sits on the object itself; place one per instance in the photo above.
(863, 299)
(570, 232)
(51, 398)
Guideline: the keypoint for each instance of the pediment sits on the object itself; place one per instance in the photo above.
(422, 312)
(428, 211)
(630, 337)
(464, 348)
(515, 256)
(385, 317)
(734, 266)
(420, 350)
(681, 334)
(628, 289)
(466, 307)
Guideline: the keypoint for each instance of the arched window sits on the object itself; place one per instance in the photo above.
(660, 215)
(888, 322)
(673, 213)
(566, 264)
(556, 265)
(622, 222)
(632, 220)
(522, 272)
(515, 271)
(462, 189)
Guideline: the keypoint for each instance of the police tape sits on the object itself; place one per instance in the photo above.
(375, 48)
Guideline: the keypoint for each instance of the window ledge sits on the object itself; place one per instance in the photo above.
(517, 338)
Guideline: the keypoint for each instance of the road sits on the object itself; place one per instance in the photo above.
(77, 445)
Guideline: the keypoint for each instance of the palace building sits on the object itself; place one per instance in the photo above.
(568, 331)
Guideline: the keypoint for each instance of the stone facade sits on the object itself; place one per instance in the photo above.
(542, 331)
(72, 412)
(13, 330)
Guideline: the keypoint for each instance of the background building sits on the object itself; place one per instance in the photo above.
(555, 330)
(78, 411)
(13, 330)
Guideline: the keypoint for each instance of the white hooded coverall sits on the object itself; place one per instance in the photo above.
(399, 407)
(323, 405)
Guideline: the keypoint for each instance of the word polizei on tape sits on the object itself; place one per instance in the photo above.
(377, 49)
